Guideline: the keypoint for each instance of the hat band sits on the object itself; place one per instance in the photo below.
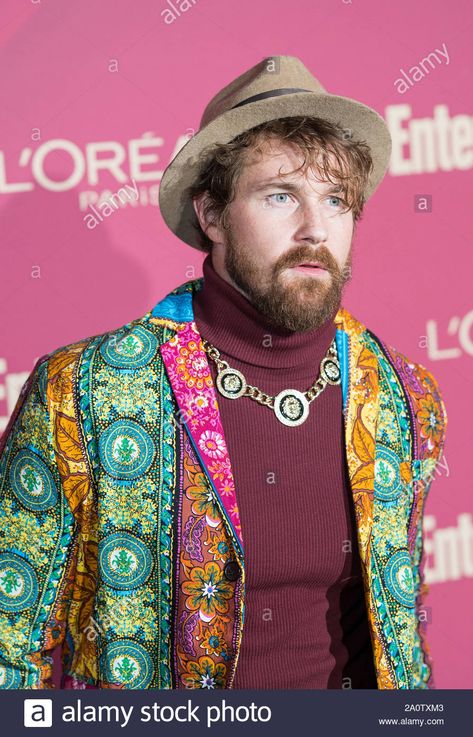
(270, 93)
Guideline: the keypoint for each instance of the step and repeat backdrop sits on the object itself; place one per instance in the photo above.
(98, 97)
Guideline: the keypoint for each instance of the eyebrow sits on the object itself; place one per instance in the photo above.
(290, 186)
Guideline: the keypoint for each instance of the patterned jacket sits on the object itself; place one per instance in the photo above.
(120, 536)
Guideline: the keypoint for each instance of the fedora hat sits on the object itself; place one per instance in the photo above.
(277, 87)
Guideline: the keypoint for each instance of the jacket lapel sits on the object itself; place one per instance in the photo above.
(360, 408)
(189, 374)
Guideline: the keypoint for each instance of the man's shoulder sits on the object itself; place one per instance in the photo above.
(421, 387)
(418, 383)
(413, 374)
(74, 350)
(416, 377)
(122, 338)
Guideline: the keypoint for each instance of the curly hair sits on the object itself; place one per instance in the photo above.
(318, 141)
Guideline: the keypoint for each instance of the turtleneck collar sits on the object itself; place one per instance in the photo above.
(228, 320)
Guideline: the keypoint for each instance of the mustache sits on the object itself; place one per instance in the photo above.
(322, 256)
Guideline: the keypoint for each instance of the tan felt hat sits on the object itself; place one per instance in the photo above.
(277, 87)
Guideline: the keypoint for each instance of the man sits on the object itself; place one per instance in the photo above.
(228, 491)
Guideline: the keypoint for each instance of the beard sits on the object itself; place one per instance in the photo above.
(298, 303)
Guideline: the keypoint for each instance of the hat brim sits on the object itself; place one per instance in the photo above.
(364, 123)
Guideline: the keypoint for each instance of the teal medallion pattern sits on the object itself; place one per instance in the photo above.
(18, 583)
(32, 481)
(126, 450)
(398, 577)
(389, 485)
(125, 560)
(127, 663)
(9, 677)
(134, 350)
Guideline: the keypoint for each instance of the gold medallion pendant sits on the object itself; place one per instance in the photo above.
(291, 407)
(231, 383)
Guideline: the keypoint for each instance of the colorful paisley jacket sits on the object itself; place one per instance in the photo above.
(120, 536)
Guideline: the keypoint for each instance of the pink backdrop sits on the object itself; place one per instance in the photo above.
(125, 82)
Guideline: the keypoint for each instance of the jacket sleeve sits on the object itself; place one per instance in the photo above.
(36, 535)
(431, 420)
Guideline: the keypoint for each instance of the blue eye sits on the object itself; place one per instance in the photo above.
(279, 194)
(334, 197)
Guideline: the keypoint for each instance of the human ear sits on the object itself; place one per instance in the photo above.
(206, 217)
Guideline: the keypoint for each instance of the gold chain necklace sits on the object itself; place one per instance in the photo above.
(290, 406)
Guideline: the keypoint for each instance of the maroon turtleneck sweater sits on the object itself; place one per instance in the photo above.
(305, 616)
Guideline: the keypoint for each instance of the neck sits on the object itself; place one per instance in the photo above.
(228, 320)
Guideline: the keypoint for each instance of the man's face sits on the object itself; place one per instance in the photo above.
(274, 227)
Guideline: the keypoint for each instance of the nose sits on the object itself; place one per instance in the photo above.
(312, 225)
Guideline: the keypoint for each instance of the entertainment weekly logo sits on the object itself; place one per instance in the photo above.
(448, 551)
(420, 145)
